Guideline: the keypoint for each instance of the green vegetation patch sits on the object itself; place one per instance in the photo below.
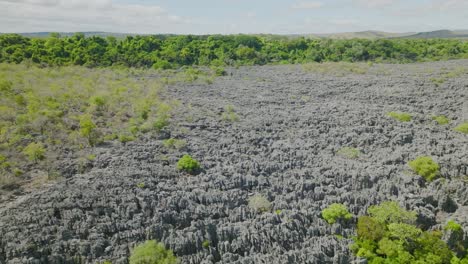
(46, 110)
(441, 120)
(188, 164)
(463, 128)
(402, 117)
(173, 143)
(350, 153)
(152, 252)
(425, 167)
(172, 52)
(389, 235)
(336, 211)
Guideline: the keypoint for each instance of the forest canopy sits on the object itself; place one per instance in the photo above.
(164, 52)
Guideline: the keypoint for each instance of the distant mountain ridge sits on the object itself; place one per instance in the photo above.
(369, 34)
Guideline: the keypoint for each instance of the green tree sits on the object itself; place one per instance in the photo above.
(152, 252)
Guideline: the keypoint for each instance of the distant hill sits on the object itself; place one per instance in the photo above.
(370, 34)
(440, 34)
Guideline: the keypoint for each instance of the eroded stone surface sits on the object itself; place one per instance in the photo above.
(284, 147)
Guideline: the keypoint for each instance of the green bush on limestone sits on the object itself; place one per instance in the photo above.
(389, 235)
(152, 252)
(425, 167)
(188, 164)
(463, 128)
(402, 117)
(336, 211)
(441, 120)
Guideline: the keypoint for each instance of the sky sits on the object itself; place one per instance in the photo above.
(231, 16)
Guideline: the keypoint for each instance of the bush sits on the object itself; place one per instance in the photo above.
(160, 123)
(88, 129)
(389, 236)
(453, 226)
(34, 151)
(425, 167)
(350, 153)
(369, 228)
(390, 212)
(126, 138)
(152, 252)
(441, 120)
(336, 211)
(402, 117)
(463, 128)
(174, 143)
(188, 164)
(259, 203)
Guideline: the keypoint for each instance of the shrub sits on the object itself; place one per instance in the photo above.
(188, 164)
(453, 226)
(160, 123)
(389, 236)
(463, 128)
(425, 167)
(441, 120)
(152, 252)
(259, 203)
(350, 153)
(336, 211)
(126, 138)
(174, 143)
(34, 151)
(369, 228)
(402, 117)
(390, 212)
(219, 71)
(88, 129)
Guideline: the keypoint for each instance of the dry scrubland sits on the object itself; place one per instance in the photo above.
(274, 164)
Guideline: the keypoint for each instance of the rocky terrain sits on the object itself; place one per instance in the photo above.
(291, 124)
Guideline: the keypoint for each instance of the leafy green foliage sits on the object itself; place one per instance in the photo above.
(152, 252)
(259, 203)
(126, 138)
(390, 212)
(350, 153)
(370, 229)
(336, 211)
(88, 129)
(425, 167)
(389, 235)
(453, 226)
(463, 128)
(34, 151)
(188, 164)
(441, 120)
(402, 117)
(169, 52)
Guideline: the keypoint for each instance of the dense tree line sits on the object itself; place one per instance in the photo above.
(218, 50)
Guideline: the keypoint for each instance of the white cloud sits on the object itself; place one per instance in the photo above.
(86, 15)
(307, 5)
